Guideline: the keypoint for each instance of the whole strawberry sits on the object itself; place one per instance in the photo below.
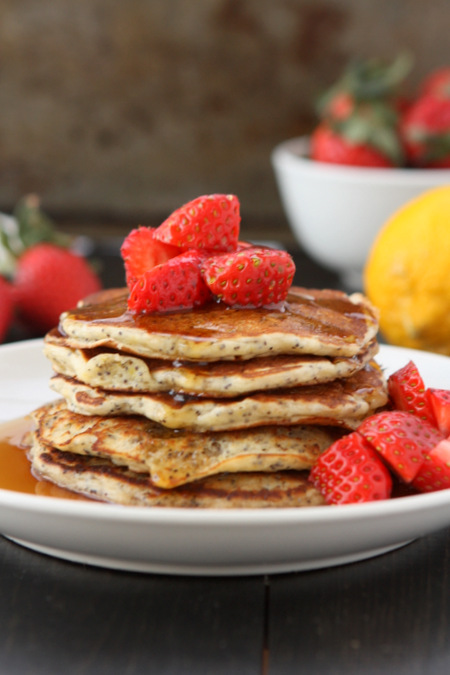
(6, 307)
(426, 130)
(365, 81)
(334, 147)
(437, 82)
(359, 117)
(49, 280)
(252, 276)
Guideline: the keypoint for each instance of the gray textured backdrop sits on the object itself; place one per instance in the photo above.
(133, 107)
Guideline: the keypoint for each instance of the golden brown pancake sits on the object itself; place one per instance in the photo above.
(344, 402)
(322, 322)
(114, 370)
(102, 480)
(173, 458)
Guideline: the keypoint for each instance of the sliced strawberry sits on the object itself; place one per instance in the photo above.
(175, 284)
(350, 471)
(434, 473)
(209, 222)
(439, 400)
(141, 251)
(407, 391)
(401, 439)
(253, 276)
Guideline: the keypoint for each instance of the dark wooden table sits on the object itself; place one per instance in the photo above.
(389, 614)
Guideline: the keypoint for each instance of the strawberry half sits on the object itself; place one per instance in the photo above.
(141, 251)
(407, 391)
(253, 276)
(439, 400)
(350, 471)
(434, 473)
(175, 284)
(209, 222)
(402, 439)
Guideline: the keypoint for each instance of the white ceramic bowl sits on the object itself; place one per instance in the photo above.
(335, 211)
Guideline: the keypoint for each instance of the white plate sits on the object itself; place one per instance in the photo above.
(207, 542)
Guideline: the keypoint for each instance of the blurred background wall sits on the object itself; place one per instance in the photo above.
(125, 109)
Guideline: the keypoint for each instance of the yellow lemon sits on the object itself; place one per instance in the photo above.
(407, 273)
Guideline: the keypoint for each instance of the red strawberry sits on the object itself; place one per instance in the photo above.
(434, 473)
(407, 391)
(141, 251)
(350, 471)
(175, 284)
(401, 439)
(253, 276)
(334, 148)
(426, 131)
(365, 81)
(210, 222)
(6, 307)
(439, 400)
(49, 280)
(438, 82)
(340, 106)
(360, 114)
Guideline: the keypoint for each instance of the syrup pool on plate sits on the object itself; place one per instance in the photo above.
(15, 469)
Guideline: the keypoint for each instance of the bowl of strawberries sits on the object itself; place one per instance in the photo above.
(372, 151)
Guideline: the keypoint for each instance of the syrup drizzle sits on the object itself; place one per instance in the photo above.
(15, 468)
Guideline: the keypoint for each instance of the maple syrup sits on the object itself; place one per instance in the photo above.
(329, 314)
(15, 468)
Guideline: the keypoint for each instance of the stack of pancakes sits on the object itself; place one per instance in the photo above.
(211, 407)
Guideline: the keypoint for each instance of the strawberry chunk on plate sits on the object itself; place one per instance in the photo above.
(408, 392)
(439, 400)
(350, 471)
(434, 473)
(402, 439)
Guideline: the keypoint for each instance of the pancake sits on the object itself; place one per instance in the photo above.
(321, 322)
(102, 480)
(344, 402)
(113, 370)
(174, 458)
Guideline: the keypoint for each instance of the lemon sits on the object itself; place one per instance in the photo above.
(407, 273)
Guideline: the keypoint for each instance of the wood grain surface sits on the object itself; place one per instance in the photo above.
(390, 614)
